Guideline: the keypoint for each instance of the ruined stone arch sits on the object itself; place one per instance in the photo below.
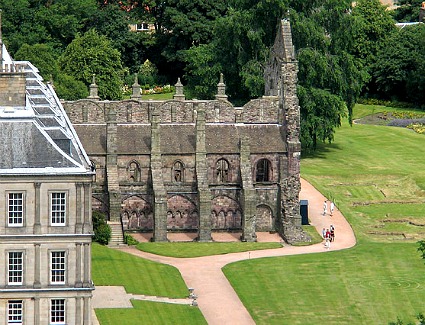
(264, 218)
(133, 171)
(263, 170)
(182, 213)
(178, 171)
(136, 213)
(226, 213)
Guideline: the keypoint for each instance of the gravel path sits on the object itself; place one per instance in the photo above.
(217, 300)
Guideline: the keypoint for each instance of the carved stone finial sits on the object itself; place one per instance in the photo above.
(221, 89)
(94, 89)
(179, 90)
(136, 89)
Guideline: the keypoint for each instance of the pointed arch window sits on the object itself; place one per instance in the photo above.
(133, 171)
(263, 171)
(178, 171)
(222, 171)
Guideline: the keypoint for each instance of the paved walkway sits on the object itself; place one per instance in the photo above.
(217, 300)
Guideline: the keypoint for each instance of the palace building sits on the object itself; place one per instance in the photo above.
(45, 199)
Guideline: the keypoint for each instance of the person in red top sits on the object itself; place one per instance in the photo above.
(328, 239)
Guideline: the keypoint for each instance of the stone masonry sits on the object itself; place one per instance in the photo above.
(197, 165)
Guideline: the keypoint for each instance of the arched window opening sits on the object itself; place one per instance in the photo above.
(222, 171)
(263, 171)
(178, 170)
(133, 170)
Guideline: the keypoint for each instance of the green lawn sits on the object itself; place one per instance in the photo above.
(140, 276)
(166, 96)
(146, 312)
(188, 249)
(137, 275)
(369, 284)
(376, 176)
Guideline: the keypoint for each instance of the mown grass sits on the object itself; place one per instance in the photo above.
(369, 284)
(139, 276)
(376, 176)
(146, 312)
(188, 249)
(166, 96)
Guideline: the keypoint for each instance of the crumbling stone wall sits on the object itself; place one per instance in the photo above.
(182, 165)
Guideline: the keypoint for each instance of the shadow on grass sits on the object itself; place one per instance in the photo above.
(321, 151)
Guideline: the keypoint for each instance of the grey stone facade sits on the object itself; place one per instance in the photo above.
(45, 199)
(196, 165)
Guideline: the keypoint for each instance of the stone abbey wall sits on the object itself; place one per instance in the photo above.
(197, 165)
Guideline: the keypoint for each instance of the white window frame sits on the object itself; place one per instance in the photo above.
(142, 26)
(58, 208)
(58, 267)
(57, 312)
(15, 270)
(15, 312)
(15, 209)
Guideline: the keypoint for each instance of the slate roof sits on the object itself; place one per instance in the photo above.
(38, 138)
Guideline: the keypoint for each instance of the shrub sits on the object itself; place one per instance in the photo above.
(102, 231)
(129, 240)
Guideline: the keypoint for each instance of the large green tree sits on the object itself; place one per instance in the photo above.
(93, 54)
(239, 49)
(373, 25)
(399, 70)
(55, 23)
(330, 77)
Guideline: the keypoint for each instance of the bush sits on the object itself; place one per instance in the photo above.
(102, 231)
(68, 88)
(387, 103)
(129, 240)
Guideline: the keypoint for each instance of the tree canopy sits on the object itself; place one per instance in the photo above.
(340, 49)
(92, 54)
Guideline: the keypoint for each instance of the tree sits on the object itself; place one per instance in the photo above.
(93, 54)
(54, 23)
(42, 56)
(400, 66)
(68, 88)
(373, 26)
(185, 23)
(239, 48)
(330, 77)
(112, 21)
(407, 10)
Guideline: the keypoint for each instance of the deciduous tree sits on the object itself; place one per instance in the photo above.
(93, 54)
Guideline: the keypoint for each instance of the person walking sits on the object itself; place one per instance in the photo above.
(332, 233)
(332, 208)
(328, 239)
(324, 233)
(325, 207)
